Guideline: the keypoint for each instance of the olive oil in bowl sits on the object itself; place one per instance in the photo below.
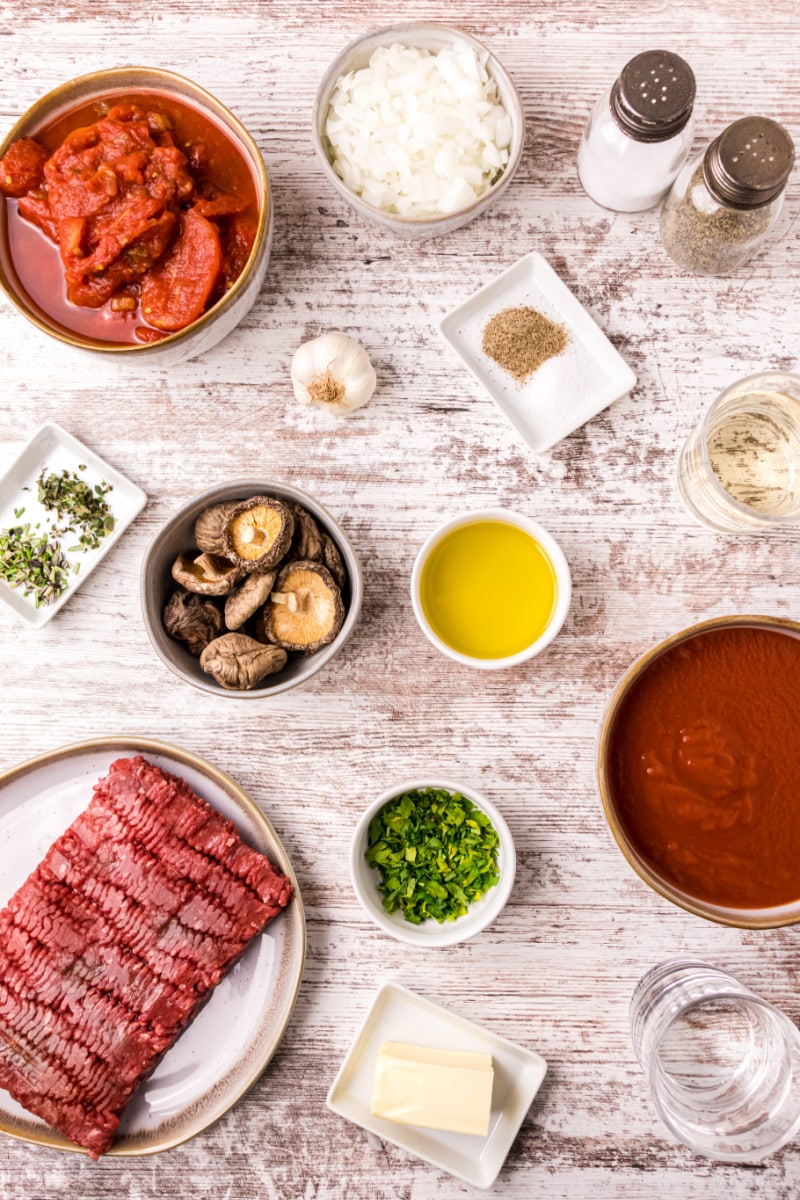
(489, 590)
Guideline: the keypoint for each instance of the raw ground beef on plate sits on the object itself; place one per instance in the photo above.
(114, 942)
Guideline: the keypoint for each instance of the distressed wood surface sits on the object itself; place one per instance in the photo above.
(557, 969)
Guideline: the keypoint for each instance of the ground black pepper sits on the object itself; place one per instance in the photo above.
(521, 339)
(706, 237)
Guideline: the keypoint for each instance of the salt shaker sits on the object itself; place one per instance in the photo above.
(640, 132)
(726, 200)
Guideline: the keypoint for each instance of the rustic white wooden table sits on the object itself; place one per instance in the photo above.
(556, 970)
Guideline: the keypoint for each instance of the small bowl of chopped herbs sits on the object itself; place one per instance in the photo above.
(432, 863)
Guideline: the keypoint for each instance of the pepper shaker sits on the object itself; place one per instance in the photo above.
(726, 200)
(640, 132)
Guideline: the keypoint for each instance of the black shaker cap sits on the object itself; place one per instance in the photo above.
(749, 163)
(652, 99)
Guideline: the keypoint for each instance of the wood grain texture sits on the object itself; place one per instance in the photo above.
(557, 969)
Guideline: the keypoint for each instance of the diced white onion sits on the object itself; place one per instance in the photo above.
(416, 133)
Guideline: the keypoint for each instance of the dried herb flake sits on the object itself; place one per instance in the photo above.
(78, 506)
(34, 563)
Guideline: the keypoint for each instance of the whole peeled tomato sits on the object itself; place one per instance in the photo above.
(176, 291)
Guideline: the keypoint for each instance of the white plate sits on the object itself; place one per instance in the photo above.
(226, 1048)
(54, 448)
(566, 391)
(399, 1015)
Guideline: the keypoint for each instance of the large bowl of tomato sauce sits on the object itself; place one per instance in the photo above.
(135, 215)
(699, 769)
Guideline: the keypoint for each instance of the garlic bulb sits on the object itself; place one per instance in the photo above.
(333, 372)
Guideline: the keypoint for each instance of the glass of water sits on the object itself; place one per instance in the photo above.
(722, 1063)
(739, 472)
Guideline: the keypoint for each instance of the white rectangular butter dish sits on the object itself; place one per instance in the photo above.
(399, 1015)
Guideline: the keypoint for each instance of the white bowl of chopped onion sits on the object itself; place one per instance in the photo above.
(419, 127)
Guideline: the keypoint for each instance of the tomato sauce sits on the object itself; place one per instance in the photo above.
(128, 217)
(704, 767)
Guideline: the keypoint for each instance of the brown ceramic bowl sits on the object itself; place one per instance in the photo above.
(742, 918)
(219, 320)
(177, 537)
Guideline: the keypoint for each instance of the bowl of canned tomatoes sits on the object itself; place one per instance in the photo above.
(135, 215)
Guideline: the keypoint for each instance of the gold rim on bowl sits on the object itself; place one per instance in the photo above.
(737, 918)
(83, 88)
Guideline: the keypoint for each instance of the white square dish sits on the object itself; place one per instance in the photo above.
(397, 1014)
(566, 391)
(52, 447)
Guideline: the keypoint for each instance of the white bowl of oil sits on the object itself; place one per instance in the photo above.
(491, 589)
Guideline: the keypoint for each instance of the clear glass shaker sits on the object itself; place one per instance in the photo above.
(723, 1064)
(726, 200)
(640, 132)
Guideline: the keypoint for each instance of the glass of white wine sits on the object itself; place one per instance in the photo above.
(739, 471)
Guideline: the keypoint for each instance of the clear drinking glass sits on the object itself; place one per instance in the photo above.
(722, 1063)
(739, 472)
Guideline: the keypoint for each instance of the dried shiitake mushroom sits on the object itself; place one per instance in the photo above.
(248, 599)
(305, 611)
(308, 540)
(208, 574)
(209, 528)
(258, 533)
(279, 576)
(333, 560)
(238, 662)
(191, 619)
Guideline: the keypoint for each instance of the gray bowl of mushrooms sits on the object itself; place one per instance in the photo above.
(250, 589)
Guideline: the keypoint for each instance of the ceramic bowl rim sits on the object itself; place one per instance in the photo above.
(431, 934)
(548, 544)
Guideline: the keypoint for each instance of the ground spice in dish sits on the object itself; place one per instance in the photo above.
(521, 339)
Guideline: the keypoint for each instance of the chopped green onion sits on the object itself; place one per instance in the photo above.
(436, 854)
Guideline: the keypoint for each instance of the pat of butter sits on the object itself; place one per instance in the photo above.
(438, 1089)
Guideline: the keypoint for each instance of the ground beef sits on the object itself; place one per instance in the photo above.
(117, 938)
